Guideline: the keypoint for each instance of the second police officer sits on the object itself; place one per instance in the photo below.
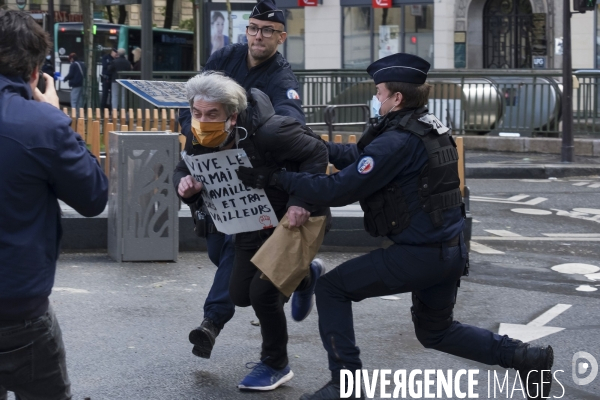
(404, 172)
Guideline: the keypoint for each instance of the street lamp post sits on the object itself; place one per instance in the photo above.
(567, 152)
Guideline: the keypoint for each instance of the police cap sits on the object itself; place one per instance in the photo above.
(399, 67)
(266, 10)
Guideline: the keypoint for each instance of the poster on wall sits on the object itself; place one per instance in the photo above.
(389, 40)
(219, 28)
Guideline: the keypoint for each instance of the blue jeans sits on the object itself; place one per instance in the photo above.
(32, 359)
(76, 99)
(218, 306)
(432, 275)
(117, 96)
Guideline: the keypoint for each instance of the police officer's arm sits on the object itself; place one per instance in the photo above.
(341, 155)
(290, 143)
(381, 162)
(283, 96)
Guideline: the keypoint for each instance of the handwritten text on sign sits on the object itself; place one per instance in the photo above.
(233, 206)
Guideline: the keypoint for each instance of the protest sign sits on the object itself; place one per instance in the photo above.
(234, 207)
(159, 93)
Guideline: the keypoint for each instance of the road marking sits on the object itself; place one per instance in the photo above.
(476, 220)
(595, 185)
(586, 288)
(575, 268)
(593, 277)
(69, 290)
(535, 329)
(389, 297)
(481, 249)
(531, 211)
(502, 233)
(594, 211)
(536, 238)
(518, 197)
(580, 183)
(511, 200)
(575, 235)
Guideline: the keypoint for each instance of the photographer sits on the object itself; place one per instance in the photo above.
(42, 161)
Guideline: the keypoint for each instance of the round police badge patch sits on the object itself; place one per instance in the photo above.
(365, 165)
(292, 94)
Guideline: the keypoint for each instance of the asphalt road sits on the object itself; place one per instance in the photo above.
(125, 325)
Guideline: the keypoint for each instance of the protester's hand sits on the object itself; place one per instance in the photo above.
(49, 96)
(56, 74)
(297, 216)
(188, 187)
(258, 178)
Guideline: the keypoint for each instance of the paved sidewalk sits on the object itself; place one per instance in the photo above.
(501, 165)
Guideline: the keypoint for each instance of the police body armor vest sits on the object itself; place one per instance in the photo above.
(386, 211)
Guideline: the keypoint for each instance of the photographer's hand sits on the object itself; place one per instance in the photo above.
(49, 96)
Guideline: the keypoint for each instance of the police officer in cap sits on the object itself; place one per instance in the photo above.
(258, 64)
(404, 173)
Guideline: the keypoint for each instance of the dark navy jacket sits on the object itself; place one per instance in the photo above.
(75, 75)
(42, 160)
(393, 156)
(273, 77)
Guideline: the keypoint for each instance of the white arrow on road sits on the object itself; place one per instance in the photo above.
(535, 329)
(511, 200)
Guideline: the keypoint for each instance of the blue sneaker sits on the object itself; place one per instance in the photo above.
(303, 300)
(265, 378)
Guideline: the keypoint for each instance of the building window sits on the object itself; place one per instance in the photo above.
(293, 47)
(35, 5)
(370, 34)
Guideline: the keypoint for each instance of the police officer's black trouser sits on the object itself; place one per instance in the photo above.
(247, 288)
(431, 274)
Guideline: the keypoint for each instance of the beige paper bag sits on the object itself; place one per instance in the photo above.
(284, 258)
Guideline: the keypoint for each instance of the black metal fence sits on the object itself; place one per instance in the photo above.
(494, 102)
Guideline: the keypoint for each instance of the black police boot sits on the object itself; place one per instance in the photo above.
(331, 391)
(203, 338)
(534, 364)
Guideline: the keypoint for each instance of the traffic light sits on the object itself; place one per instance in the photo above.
(584, 5)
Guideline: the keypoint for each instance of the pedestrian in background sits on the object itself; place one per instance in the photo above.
(75, 77)
(105, 77)
(119, 64)
(137, 59)
(42, 161)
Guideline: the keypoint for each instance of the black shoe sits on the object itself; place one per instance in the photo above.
(534, 364)
(203, 338)
(331, 391)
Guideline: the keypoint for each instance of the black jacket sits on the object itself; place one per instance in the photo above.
(76, 74)
(117, 65)
(277, 139)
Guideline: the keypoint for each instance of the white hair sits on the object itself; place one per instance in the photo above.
(215, 87)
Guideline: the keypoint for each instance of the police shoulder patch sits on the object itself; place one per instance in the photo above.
(365, 165)
(292, 94)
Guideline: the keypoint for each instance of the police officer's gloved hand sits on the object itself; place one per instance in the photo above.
(258, 178)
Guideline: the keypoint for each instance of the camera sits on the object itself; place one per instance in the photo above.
(41, 83)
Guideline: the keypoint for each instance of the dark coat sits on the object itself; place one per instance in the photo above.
(117, 65)
(76, 74)
(43, 161)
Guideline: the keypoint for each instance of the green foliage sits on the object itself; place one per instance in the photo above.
(187, 25)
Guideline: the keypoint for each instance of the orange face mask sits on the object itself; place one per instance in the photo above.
(209, 134)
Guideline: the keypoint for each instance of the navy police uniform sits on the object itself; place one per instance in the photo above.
(404, 173)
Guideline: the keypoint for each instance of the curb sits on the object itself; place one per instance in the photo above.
(534, 171)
